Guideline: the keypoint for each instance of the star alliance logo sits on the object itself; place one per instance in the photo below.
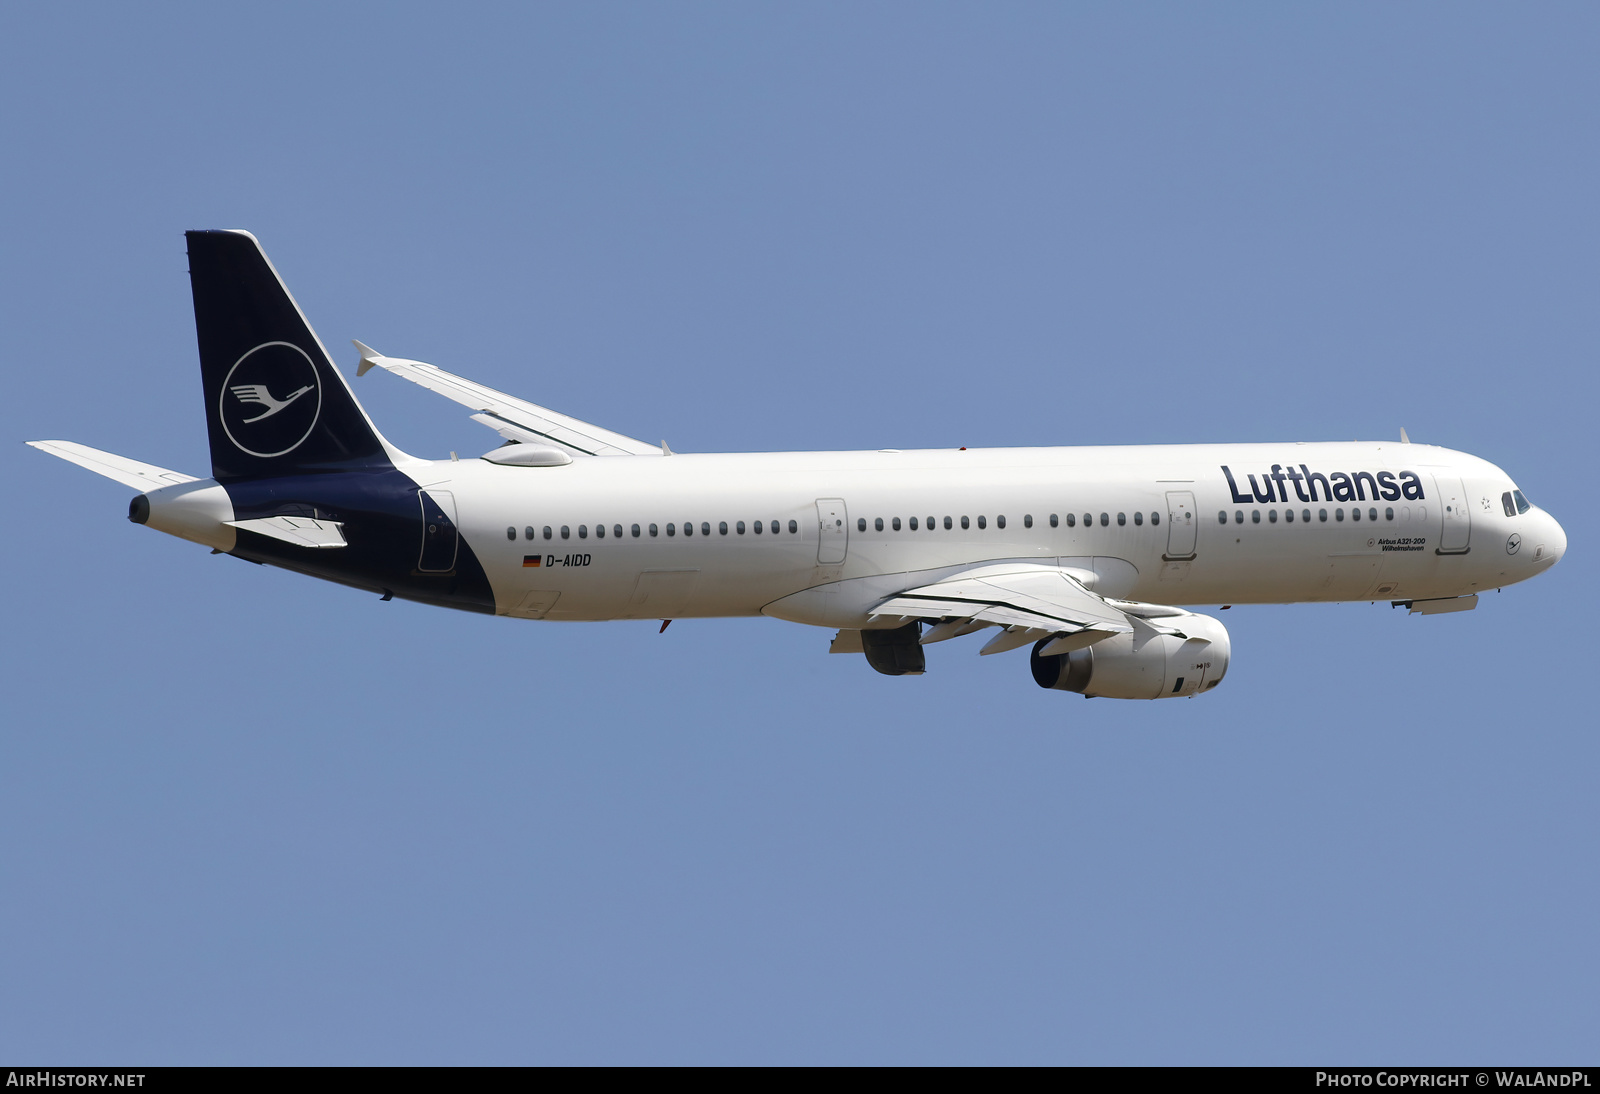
(257, 421)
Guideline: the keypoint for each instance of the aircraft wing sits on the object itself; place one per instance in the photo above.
(1028, 602)
(140, 476)
(512, 418)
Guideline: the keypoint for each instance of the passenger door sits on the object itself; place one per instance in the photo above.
(1455, 535)
(439, 537)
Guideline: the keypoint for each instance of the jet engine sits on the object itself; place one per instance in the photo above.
(1146, 664)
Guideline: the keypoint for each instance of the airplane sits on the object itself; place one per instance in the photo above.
(1079, 553)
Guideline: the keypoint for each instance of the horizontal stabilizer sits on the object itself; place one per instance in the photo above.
(300, 531)
(513, 418)
(140, 476)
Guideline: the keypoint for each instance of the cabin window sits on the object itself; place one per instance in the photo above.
(1238, 516)
(912, 524)
(635, 530)
(757, 527)
(1072, 520)
(511, 534)
(1255, 516)
(775, 527)
(583, 531)
(861, 524)
(1322, 515)
(688, 527)
(527, 533)
(672, 529)
(739, 527)
(705, 528)
(652, 531)
(1355, 514)
(1305, 515)
(946, 524)
(1372, 514)
(1122, 520)
(1105, 520)
(1088, 520)
(895, 524)
(1053, 522)
(1138, 518)
(1027, 520)
(793, 527)
(1388, 514)
(877, 524)
(722, 528)
(599, 531)
(1222, 516)
(1155, 518)
(965, 523)
(1338, 514)
(1288, 516)
(930, 523)
(1272, 516)
(1000, 522)
(566, 531)
(546, 531)
(982, 522)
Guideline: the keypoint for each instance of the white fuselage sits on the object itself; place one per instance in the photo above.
(1149, 523)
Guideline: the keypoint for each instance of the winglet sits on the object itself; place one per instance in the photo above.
(1403, 438)
(665, 451)
(369, 357)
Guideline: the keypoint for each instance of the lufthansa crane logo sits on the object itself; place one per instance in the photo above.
(270, 400)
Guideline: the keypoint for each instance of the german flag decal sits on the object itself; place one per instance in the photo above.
(532, 560)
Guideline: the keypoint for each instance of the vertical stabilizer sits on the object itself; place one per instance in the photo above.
(275, 405)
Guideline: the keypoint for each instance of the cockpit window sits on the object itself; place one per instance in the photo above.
(1507, 504)
(1522, 502)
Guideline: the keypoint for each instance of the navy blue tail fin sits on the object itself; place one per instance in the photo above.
(275, 405)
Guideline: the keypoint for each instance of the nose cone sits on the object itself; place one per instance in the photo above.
(1558, 540)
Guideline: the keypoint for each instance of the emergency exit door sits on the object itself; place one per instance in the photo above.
(833, 531)
(1182, 527)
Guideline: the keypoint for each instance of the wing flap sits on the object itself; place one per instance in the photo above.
(514, 419)
(1027, 596)
(1028, 602)
(140, 476)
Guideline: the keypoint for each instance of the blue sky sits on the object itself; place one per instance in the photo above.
(250, 818)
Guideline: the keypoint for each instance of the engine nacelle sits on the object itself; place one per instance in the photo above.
(1144, 664)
